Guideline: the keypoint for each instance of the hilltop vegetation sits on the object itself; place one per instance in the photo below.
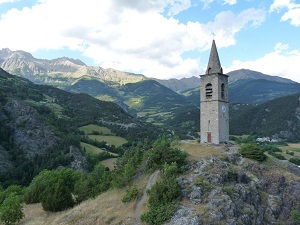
(217, 186)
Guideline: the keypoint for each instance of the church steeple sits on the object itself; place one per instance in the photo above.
(214, 65)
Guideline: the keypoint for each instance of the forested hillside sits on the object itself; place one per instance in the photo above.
(39, 127)
(279, 118)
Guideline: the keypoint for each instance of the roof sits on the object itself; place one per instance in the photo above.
(214, 65)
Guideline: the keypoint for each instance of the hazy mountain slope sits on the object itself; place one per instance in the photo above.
(152, 101)
(95, 88)
(279, 118)
(256, 91)
(250, 74)
(251, 91)
(190, 83)
(180, 84)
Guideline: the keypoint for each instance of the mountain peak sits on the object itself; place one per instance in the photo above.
(75, 61)
(250, 74)
(6, 53)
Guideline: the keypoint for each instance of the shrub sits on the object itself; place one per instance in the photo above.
(163, 197)
(131, 193)
(295, 161)
(253, 151)
(295, 216)
(162, 153)
(53, 189)
(11, 210)
(228, 191)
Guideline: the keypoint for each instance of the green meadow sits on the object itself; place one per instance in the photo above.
(111, 140)
(88, 129)
(91, 149)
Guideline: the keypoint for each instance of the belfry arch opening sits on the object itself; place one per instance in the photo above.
(208, 90)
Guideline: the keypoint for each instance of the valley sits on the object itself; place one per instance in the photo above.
(95, 136)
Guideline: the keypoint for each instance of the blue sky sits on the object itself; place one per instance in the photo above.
(158, 38)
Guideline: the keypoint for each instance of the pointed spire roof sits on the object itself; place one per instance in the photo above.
(214, 65)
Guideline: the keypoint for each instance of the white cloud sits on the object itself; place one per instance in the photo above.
(177, 6)
(292, 13)
(230, 2)
(129, 35)
(227, 24)
(6, 1)
(225, 2)
(281, 62)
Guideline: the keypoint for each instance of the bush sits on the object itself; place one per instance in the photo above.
(53, 189)
(163, 197)
(162, 153)
(295, 216)
(253, 151)
(11, 210)
(295, 161)
(131, 193)
(96, 182)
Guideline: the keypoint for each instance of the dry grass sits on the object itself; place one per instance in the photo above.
(105, 209)
(110, 163)
(197, 151)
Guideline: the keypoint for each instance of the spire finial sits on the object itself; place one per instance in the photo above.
(213, 35)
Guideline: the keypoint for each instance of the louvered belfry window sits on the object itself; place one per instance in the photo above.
(208, 90)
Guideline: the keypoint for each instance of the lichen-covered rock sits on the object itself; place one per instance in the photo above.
(233, 190)
(184, 216)
(30, 133)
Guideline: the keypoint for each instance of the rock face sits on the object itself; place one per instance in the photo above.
(30, 133)
(232, 190)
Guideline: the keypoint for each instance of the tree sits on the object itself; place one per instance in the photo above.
(53, 189)
(253, 151)
(11, 210)
(162, 153)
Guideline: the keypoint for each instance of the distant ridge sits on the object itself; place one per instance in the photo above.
(250, 74)
(61, 71)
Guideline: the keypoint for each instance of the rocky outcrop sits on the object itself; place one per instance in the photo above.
(232, 190)
(30, 133)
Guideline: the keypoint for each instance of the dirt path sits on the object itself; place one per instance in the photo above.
(151, 181)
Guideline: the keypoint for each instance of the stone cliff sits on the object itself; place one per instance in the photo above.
(229, 189)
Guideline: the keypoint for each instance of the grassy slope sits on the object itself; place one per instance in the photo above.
(91, 149)
(111, 140)
(107, 208)
(88, 129)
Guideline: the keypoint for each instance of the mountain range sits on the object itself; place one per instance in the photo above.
(172, 104)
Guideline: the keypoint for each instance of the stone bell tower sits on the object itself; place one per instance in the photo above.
(214, 106)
